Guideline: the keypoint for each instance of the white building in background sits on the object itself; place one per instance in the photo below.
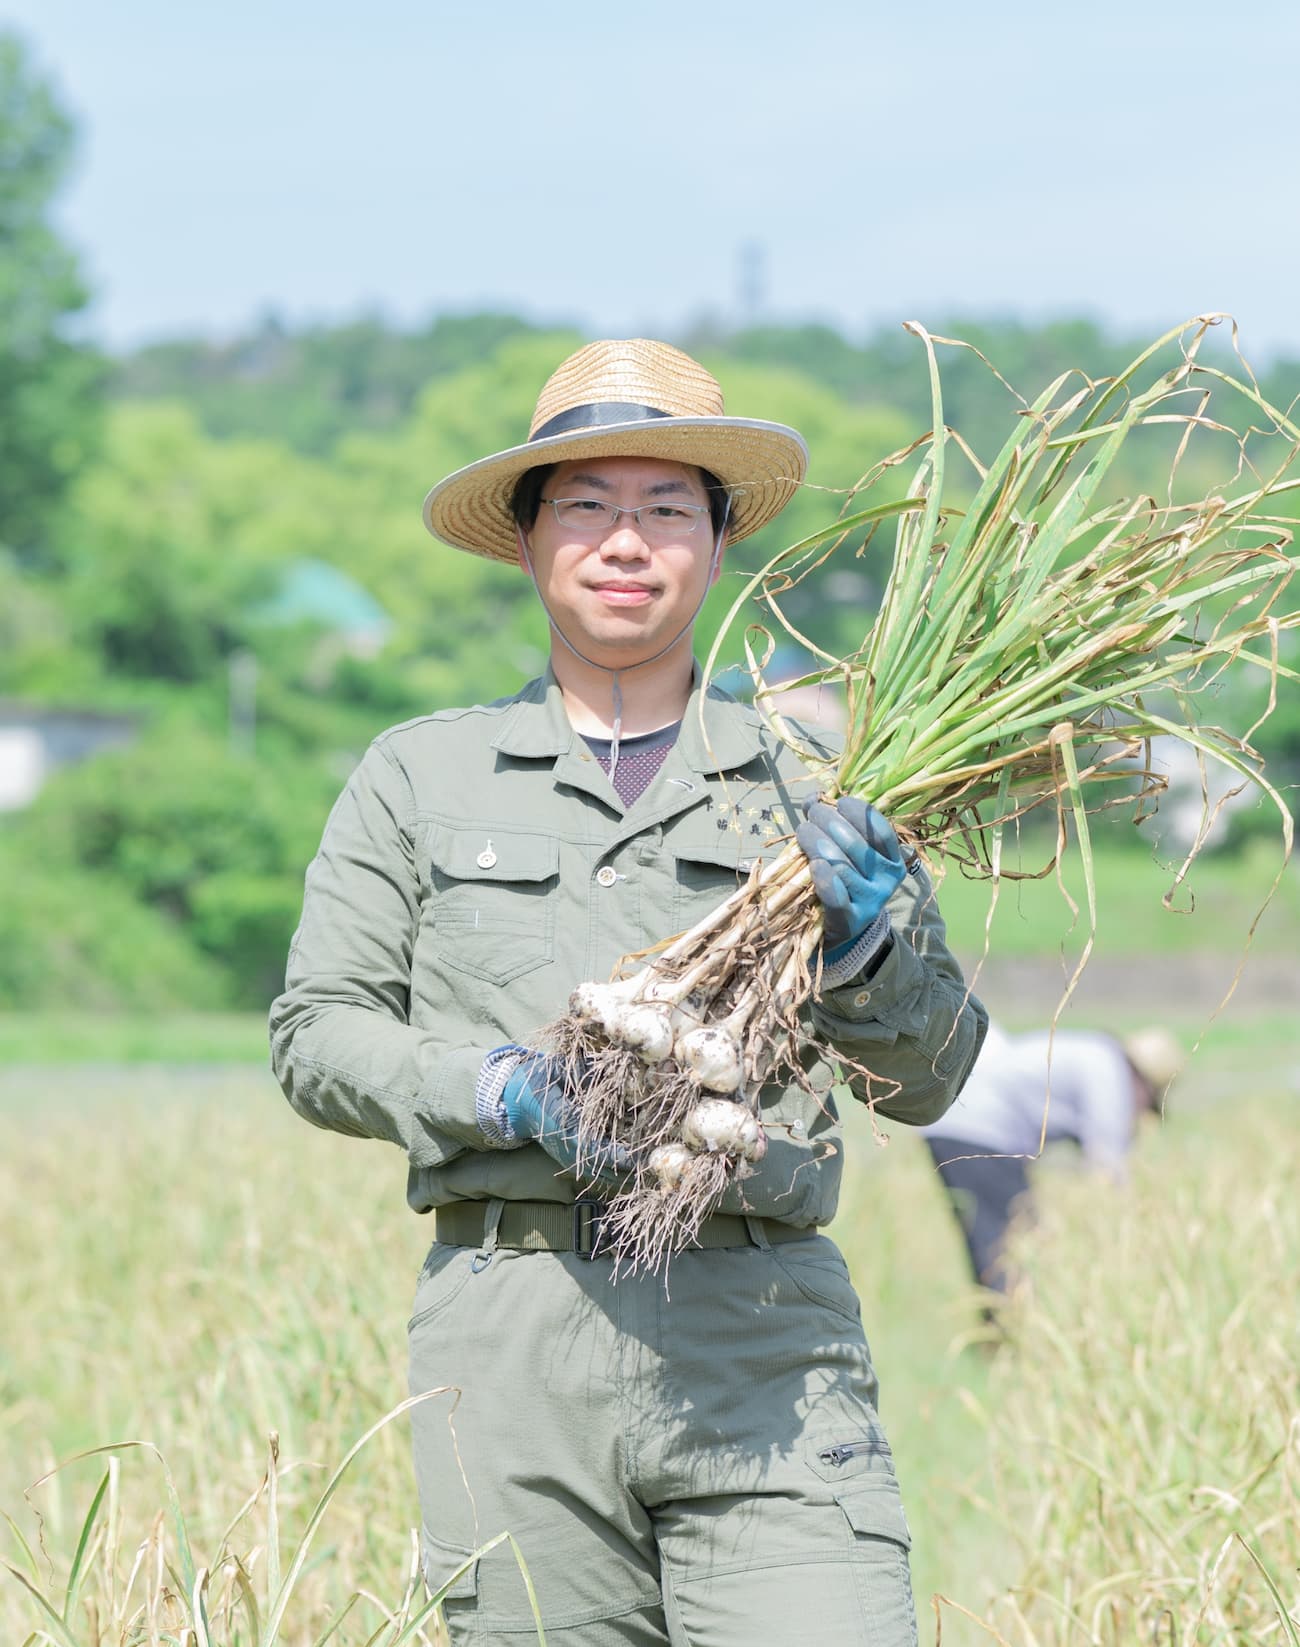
(35, 740)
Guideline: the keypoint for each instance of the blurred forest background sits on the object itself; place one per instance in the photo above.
(215, 587)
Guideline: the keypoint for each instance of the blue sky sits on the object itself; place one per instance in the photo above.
(604, 164)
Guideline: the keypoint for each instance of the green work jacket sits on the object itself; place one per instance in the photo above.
(479, 864)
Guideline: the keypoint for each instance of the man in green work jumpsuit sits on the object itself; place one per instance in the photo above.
(690, 1463)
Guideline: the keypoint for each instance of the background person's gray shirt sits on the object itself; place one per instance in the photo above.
(1081, 1080)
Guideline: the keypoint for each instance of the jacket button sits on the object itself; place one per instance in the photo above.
(862, 997)
(606, 875)
(486, 858)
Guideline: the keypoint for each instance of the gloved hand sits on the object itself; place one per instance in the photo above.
(536, 1104)
(856, 865)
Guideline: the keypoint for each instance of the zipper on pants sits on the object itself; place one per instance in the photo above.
(843, 1451)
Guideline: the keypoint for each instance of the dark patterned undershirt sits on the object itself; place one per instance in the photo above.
(639, 759)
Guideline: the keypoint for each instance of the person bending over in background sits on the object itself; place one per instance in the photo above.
(1093, 1089)
(704, 1463)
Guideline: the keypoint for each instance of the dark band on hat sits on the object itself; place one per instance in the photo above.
(595, 416)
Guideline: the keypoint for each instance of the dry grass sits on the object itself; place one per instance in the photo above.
(187, 1265)
(1146, 1430)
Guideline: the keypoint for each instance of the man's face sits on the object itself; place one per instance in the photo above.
(621, 592)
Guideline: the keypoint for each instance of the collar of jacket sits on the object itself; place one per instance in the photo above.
(726, 735)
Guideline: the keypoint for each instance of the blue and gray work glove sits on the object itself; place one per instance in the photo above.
(520, 1097)
(857, 863)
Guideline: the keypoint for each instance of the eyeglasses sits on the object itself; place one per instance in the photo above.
(657, 522)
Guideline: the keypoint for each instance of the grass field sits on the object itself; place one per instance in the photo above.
(1211, 909)
(191, 1268)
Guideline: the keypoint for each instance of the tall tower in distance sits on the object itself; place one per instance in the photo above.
(751, 282)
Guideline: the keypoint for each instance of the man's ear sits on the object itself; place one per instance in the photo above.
(522, 558)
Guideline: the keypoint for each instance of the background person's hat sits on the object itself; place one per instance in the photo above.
(1155, 1054)
(624, 398)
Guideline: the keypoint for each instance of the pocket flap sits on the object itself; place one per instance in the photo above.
(727, 852)
(875, 1511)
(449, 1571)
(483, 854)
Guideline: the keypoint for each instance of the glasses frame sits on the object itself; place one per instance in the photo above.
(695, 510)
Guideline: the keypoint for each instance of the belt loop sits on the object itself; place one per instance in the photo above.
(757, 1234)
(491, 1224)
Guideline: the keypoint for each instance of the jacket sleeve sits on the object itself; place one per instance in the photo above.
(342, 1046)
(912, 1027)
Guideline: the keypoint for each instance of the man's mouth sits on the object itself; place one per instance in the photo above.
(623, 594)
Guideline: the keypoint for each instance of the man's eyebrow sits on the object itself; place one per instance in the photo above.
(659, 489)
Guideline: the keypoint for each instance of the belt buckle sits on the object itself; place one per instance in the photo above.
(588, 1217)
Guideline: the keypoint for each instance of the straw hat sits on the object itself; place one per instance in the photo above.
(1155, 1054)
(624, 398)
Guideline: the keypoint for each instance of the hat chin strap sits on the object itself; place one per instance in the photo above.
(616, 670)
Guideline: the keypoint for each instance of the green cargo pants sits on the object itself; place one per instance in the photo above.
(701, 1466)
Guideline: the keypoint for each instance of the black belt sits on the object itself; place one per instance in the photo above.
(574, 1226)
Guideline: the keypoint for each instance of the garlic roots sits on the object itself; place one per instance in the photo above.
(669, 1062)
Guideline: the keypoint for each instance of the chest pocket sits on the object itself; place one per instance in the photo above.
(493, 901)
(706, 874)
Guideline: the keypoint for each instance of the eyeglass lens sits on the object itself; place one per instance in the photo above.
(654, 520)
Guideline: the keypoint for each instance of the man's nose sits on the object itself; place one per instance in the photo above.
(624, 541)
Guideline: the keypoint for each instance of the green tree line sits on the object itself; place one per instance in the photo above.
(166, 516)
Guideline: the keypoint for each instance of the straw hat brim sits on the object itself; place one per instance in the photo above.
(760, 463)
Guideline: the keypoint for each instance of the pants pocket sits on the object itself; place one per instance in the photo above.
(445, 1272)
(880, 1541)
(820, 1274)
(825, 1570)
(449, 1569)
